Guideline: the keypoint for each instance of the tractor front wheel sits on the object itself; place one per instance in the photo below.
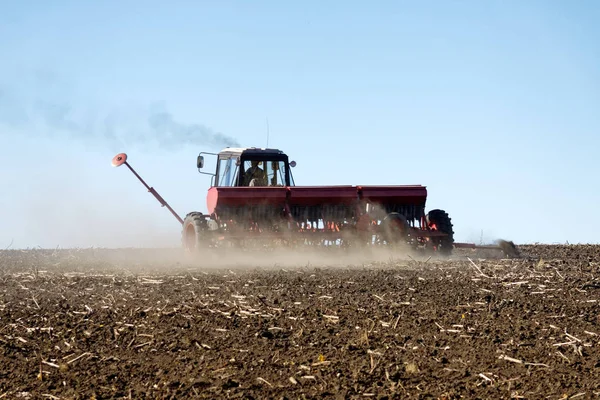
(194, 232)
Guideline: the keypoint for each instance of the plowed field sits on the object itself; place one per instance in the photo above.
(97, 324)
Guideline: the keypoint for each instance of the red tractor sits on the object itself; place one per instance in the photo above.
(253, 199)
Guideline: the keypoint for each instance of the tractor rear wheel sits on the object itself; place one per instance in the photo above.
(439, 220)
(194, 232)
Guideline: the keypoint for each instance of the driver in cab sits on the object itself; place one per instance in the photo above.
(255, 176)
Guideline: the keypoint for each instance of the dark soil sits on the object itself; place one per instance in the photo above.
(73, 326)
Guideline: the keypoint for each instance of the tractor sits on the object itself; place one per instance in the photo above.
(253, 199)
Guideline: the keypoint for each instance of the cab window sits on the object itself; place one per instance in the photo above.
(263, 173)
(228, 171)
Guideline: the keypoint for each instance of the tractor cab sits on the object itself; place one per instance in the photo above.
(250, 167)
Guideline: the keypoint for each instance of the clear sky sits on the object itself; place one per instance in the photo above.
(493, 105)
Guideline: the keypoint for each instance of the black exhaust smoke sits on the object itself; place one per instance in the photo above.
(47, 113)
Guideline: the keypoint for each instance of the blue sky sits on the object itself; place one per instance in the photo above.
(494, 106)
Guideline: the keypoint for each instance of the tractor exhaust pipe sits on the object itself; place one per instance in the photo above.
(121, 159)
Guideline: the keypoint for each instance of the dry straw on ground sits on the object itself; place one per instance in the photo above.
(79, 324)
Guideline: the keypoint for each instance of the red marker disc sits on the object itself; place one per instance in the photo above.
(119, 159)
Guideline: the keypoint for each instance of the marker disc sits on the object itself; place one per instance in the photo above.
(119, 159)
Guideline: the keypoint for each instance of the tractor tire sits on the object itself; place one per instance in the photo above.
(194, 232)
(395, 228)
(442, 223)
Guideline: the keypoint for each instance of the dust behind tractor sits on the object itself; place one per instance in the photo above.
(253, 200)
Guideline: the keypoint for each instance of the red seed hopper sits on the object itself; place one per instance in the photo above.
(253, 197)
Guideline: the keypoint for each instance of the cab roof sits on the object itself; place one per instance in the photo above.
(238, 151)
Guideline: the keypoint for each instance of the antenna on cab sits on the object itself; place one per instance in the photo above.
(268, 132)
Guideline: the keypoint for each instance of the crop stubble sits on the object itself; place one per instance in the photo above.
(77, 324)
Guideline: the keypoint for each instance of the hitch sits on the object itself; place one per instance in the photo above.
(507, 247)
(121, 159)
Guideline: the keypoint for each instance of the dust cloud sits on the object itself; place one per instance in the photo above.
(66, 209)
(170, 260)
(162, 261)
(228, 259)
